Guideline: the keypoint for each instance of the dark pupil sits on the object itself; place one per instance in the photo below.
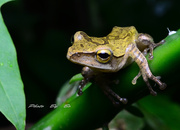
(104, 55)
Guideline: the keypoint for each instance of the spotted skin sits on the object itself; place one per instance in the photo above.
(123, 46)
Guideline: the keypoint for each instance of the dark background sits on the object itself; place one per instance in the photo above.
(41, 31)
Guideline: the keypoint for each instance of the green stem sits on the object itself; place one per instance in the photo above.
(93, 109)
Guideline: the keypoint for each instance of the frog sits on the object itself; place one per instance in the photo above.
(111, 53)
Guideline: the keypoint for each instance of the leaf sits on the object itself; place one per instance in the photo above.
(66, 91)
(12, 99)
(135, 111)
(160, 112)
(77, 77)
(126, 121)
(3, 2)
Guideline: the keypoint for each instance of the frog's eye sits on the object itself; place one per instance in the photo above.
(103, 56)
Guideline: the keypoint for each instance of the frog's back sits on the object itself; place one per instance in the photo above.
(120, 38)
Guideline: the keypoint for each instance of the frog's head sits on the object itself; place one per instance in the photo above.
(93, 52)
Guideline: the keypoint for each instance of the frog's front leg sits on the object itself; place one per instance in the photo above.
(139, 58)
(104, 84)
(110, 94)
(145, 43)
(87, 73)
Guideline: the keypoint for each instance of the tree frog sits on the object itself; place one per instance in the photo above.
(111, 53)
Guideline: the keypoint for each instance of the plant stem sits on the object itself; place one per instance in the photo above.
(93, 109)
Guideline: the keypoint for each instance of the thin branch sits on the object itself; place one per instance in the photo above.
(93, 109)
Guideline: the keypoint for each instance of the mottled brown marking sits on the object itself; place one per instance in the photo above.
(137, 58)
(132, 48)
(105, 41)
(87, 38)
(142, 61)
(82, 45)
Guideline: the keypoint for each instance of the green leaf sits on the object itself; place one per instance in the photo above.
(3, 2)
(77, 77)
(12, 99)
(68, 90)
(160, 112)
(126, 121)
(135, 111)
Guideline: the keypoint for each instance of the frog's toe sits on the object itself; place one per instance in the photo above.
(133, 81)
(163, 41)
(158, 77)
(151, 57)
(80, 92)
(135, 78)
(116, 104)
(153, 93)
(163, 86)
(124, 100)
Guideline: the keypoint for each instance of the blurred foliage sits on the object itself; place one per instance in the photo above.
(161, 113)
(41, 31)
(126, 121)
(12, 98)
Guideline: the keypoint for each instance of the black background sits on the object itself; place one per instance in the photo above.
(41, 31)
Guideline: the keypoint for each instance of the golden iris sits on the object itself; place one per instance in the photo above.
(103, 56)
